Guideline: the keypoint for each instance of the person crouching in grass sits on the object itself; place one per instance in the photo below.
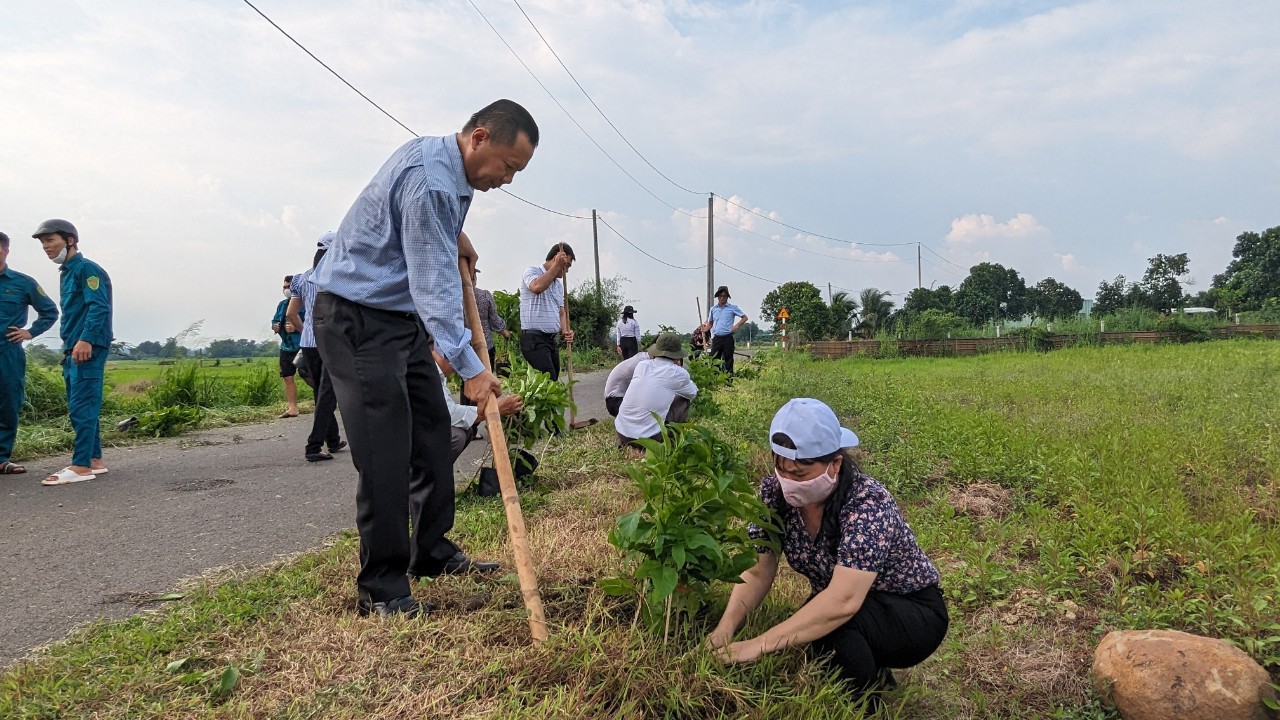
(876, 602)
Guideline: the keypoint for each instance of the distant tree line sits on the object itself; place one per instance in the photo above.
(993, 293)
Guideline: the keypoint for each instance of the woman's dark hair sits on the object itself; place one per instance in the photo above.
(849, 471)
(628, 315)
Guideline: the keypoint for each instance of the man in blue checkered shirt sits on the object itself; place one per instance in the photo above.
(386, 291)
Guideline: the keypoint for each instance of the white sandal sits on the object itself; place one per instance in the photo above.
(66, 476)
(99, 471)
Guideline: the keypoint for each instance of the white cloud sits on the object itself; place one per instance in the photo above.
(968, 230)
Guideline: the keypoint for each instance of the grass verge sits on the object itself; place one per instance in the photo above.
(1061, 495)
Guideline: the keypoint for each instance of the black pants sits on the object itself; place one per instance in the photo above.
(324, 425)
(630, 346)
(889, 631)
(398, 426)
(722, 350)
(612, 404)
(677, 413)
(540, 351)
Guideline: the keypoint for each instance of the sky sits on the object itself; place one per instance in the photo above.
(201, 153)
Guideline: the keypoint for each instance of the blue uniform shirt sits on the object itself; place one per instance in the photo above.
(288, 340)
(397, 247)
(86, 303)
(722, 318)
(17, 293)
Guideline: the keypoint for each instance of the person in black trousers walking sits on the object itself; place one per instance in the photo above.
(302, 303)
(388, 289)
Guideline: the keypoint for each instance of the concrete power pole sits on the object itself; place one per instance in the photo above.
(919, 284)
(595, 242)
(711, 250)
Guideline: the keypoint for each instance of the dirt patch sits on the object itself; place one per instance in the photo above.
(136, 387)
(981, 500)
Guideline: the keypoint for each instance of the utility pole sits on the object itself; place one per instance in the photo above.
(919, 284)
(595, 242)
(711, 250)
(830, 297)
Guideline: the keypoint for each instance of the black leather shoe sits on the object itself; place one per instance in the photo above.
(318, 456)
(342, 445)
(460, 564)
(407, 606)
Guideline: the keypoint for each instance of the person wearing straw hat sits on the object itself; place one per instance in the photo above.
(876, 602)
(543, 313)
(660, 385)
(723, 320)
(628, 331)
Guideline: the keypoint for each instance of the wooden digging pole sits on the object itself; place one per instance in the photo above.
(573, 407)
(502, 463)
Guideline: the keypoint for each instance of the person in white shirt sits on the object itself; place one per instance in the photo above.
(462, 418)
(628, 331)
(542, 310)
(615, 387)
(659, 385)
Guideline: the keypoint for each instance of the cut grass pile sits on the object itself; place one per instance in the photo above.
(1061, 496)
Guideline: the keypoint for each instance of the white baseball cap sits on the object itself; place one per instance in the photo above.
(813, 428)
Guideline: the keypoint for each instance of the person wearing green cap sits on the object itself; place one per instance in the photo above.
(17, 293)
(659, 385)
(85, 296)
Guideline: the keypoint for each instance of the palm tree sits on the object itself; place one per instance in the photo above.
(843, 310)
(876, 308)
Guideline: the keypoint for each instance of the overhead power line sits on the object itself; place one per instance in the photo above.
(644, 252)
(569, 115)
(803, 250)
(556, 212)
(926, 247)
(326, 67)
(810, 232)
(597, 107)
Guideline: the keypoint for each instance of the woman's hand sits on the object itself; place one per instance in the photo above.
(743, 651)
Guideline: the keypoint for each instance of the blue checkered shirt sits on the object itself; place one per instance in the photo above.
(300, 288)
(397, 247)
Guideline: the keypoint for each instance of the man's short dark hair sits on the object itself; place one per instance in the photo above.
(319, 254)
(4, 241)
(555, 250)
(505, 120)
(288, 278)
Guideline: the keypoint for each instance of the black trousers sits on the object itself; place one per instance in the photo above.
(540, 351)
(398, 425)
(722, 350)
(889, 631)
(324, 425)
(630, 346)
(612, 404)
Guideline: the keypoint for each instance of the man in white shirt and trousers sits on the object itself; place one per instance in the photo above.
(659, 385)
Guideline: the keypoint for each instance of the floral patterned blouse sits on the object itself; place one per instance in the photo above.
(873, 537)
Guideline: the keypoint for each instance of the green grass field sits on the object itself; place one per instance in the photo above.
(1061, 495)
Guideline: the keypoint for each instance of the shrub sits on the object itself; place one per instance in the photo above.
(184, 385)
(1034, 338)
(708, 376)
(260, 386)
(169, 421)
(46, 396)
(545, 401)
(691, 527)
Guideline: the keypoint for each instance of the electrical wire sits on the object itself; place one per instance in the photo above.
(803, 250)
(556, 212)
(810, 232)
(926, 247)
(331, 70)
(644, 252)
(591, 100)
(570, 115)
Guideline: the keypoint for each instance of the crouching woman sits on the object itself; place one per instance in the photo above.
(876, 603)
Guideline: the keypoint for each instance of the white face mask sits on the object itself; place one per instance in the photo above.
(799, 493)
(62, 256)
(287, 294)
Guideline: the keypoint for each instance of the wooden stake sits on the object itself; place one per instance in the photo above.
(573, 414)
(502, 463)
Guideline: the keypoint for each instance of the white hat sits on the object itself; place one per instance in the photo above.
(326, 239)
(813, 428)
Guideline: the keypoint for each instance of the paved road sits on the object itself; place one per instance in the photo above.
(166, 511)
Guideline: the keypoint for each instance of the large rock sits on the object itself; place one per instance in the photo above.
(1167, 675)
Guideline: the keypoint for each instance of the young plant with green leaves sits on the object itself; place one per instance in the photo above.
(545, 401)
(691, 528)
